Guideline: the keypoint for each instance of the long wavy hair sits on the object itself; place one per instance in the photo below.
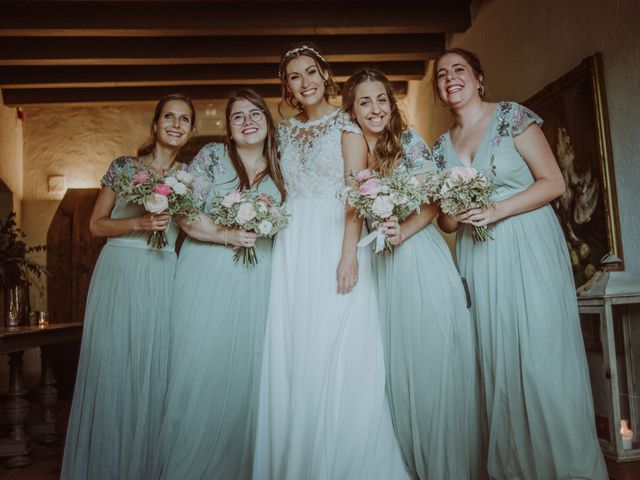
(308, 49)
(150, 145)
(270, 149)
(388, 149)
(473, 61)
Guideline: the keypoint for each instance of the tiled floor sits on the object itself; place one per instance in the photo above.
(47, 460)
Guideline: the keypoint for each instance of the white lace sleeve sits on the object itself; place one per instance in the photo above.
(348, 125)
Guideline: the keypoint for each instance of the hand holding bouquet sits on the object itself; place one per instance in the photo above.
(460, 189)
(251, 211)
(377, 198)
(170, 193)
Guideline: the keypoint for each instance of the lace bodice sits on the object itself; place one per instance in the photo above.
(311, 155)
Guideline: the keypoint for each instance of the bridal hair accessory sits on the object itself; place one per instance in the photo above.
(301, 49)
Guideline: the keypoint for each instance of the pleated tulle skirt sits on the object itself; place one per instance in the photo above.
(323, 412)
(539, 407)
(121, 382)
(430, 357)
(218, 317)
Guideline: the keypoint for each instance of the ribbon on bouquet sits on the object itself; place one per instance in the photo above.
(376, 235)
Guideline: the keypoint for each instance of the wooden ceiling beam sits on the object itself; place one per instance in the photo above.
(159, 75)
(204, 50)
(225, 18)
(102, 96)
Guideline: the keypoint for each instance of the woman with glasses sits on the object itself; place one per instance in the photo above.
(219, 310)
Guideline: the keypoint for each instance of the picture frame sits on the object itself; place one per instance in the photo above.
(576, 125)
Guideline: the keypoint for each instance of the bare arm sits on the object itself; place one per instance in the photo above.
(102, 225)
(549, 183)
(397, 233)
(354, 150)
(205, 229)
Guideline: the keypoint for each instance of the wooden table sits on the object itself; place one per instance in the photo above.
(13, 342)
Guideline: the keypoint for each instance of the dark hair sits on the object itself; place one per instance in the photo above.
(388, 149)
(150, 146)
(270, 149)
(310, 50)
(470, 57)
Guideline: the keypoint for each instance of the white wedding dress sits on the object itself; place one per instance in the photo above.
(323, 412)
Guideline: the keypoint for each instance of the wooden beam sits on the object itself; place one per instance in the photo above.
(203, 50)
(100, 96)
(226, 18)
(159, 75)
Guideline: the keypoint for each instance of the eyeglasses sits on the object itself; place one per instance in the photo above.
(239, 118)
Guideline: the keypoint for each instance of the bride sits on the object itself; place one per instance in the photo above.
(323, 413)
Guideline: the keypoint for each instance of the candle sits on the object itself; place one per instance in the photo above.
(626, 434)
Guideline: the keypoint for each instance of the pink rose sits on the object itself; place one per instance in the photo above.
(162, 189)
(231, 198)
(363, 176)
(370, 188)
(463, 174)
(141, 177)
(246, 212)
(265, 199)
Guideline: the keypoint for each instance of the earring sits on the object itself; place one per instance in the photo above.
(481, 91)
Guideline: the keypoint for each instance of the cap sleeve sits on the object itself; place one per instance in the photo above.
(437, 154)
(120, 166)
(521, 118)
(347, 125)
(204, 167)
(417, 156)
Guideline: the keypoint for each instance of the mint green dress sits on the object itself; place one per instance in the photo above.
(122, 371)
(539, 407)
(429, 346)
(218, 317)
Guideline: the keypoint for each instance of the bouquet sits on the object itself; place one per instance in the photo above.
(251, 211)
(462, 188)
(376, 198)
(170, 193)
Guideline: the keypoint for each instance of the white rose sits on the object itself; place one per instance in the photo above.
(385, 189)
(265, 227)
(382, 206)
(185, 177)
(156, 203)
(179, 188)
(246, 212)
(232, 197)
(398, 198)
(171, 181)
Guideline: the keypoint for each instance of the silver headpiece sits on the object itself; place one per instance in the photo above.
(302, 49)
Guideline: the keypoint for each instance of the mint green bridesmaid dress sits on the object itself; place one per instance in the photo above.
(218, 316)
(539, 408)
(122, 371)
(429, 346)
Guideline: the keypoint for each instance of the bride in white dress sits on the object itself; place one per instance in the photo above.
(323, 413)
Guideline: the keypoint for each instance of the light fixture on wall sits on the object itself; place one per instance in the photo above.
(57, 185)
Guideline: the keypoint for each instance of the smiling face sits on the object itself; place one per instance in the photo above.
(306, 81)
(175, 124)
(372, 107)
(456, 80)
(248, 124)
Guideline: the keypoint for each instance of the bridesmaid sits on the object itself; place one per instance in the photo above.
(427, 331)
(536, 384)
(219, 310)
(117, 402)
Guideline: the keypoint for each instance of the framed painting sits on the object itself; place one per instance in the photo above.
(574, 110)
